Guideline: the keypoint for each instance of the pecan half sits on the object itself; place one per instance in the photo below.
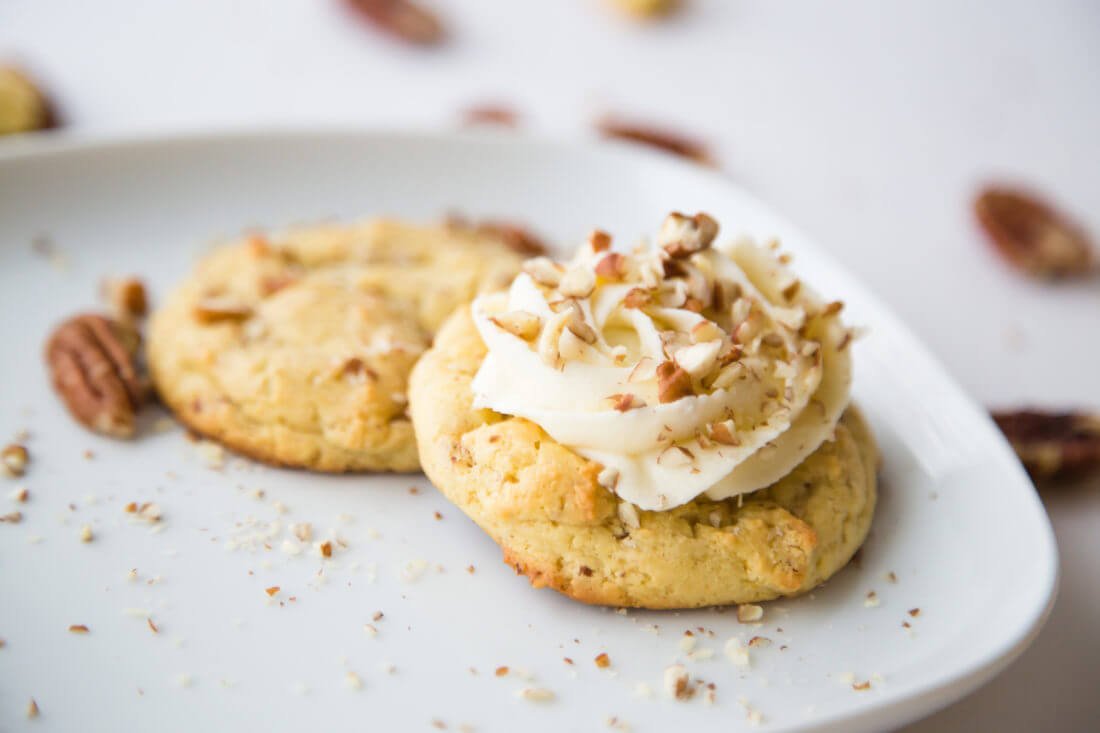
(93, 367)
(1031, 235)
(654, 137)
(1053, 445)
(490, 114)
(401, 19)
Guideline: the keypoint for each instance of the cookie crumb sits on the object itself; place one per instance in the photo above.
(86, 533)
(603, 661)
(32, 709)
(14, 459)
(78, 629)
(871, 601)
(272, 590)
(736, 653)
(677, 683)
(501, 671)
(914, 612)
(748, 613)
(535, 694)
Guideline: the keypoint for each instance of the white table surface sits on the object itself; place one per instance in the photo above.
(868, 123)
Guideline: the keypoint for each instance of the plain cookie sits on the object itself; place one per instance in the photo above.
(296, 350)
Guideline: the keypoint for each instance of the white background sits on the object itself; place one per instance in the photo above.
(870, 124)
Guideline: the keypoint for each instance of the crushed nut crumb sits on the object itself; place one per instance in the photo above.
(14, 459)
(748, 613)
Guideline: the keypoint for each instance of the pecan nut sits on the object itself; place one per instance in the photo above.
(1053, 445)
(516, 237)
(490, 114)
(666, 140)
(402, 19)
(92, 361)
(1031, 235)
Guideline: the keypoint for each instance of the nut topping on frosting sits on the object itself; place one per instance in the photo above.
(684, 369)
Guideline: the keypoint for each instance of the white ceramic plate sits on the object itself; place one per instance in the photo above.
(958, 522)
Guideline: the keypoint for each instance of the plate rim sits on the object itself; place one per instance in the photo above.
(899, 706)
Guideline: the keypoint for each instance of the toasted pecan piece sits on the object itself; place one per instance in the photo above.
(1031, 235)
(1053, 445)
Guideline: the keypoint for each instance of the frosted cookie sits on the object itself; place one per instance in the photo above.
(662, 428)
(296, 350)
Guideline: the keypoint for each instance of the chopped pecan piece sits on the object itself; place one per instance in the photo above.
(654, 137)
(93, 365)
(672, 382)
(612, 266)
(1053, 445)
(221, 308)
(126, 297)
(407, 21)
(682, 236)
(14, 459)
(1031, 235)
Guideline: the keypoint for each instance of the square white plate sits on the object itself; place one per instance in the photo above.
(958, 521)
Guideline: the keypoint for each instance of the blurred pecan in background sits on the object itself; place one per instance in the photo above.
(515, 236)
(92, 361)
(1031, 235)
(670, 142)
(490, 114)
(23, 107)
(1053, 445)
(402, 19)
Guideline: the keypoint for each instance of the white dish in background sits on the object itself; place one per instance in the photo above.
(958, 521)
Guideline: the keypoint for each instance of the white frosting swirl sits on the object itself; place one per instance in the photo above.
(717, 379)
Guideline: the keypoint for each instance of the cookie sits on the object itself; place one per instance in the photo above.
(545, 506)
(296, 349)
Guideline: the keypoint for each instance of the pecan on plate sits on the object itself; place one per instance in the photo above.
(1031, 235)
(1053, 445)
(490, 114)
(92, 361)
(405, 20)
(654, 137)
